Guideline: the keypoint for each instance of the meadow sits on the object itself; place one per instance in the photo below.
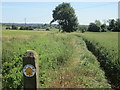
(64, 60)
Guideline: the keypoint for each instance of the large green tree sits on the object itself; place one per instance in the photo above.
(64, 14)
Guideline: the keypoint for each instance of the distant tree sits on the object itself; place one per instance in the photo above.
(22, 28)
(111, 25)
(98, 23)
(103, 28)
(29, 28)
(64, 14)
(83, 31)
(117, 26)
(45, 26)
(83, 28)
(14, 27)
(93, 28)
(26, 28)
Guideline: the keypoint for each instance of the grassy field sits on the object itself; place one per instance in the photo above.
(105, 47)
(64, 60)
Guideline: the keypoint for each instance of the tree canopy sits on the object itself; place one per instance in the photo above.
(64, 14)
(97, 22)
(93, 28)
(14, 27)
(114, 25)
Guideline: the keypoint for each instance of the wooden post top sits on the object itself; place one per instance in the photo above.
(30, 53)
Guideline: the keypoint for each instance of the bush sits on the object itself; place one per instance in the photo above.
(14, 27)
(93, 28)
(83, 28)
(48, 29)
(103, 28)
(8, 27)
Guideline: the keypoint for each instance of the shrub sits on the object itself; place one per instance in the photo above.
(93, 28)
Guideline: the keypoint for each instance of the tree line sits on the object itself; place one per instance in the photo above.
(113, 26)
(29, 26)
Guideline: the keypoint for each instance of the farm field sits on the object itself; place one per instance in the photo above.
(59, 45)
(64, 60)
(105, 47)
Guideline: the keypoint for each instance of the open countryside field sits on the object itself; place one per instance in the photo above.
(60, 45)
(64, 60)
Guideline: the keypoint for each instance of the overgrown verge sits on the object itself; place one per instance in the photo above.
(54, 51)
(108, 59)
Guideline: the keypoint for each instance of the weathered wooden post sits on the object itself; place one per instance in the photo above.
(30, 70)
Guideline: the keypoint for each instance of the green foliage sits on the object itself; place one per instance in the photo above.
(83, 28)
(111, 25)
(48, 29)
(26, 28)
(54, 51)
(114, 25)
(93, 28)
(65, 15)
(8, 27)
(14, 27)
(103, 28)
(117, 25)
(98, 23)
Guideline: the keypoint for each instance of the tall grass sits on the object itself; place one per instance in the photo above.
(53, 51)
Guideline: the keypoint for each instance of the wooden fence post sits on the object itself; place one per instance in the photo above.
(30, 70)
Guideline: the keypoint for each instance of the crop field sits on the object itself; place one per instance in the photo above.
(64, 60)
(105, 47)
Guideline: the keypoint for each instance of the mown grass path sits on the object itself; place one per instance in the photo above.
(67, 77)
